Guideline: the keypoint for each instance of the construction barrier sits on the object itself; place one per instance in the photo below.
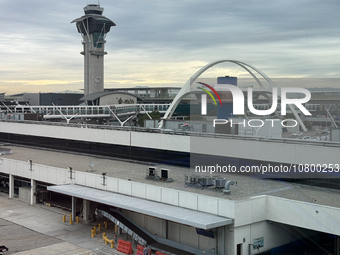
(107, 240)
(124, 246)
(139, 250)
(160, 253)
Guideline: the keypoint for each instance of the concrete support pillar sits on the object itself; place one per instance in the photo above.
(74, 201)
(166, 230)
(221, 240)
(86, 210)
(33, 190)
(11, 186)
(337, 245)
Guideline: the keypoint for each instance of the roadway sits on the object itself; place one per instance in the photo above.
(38, 229)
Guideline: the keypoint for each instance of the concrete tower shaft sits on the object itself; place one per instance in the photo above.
(93, 27)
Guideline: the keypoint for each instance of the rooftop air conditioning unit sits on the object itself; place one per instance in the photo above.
(220, 182)
(151, 173)
(207, 181)
(164, 173)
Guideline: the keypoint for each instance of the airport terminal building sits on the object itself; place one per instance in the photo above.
(167, 205)
(152, 183)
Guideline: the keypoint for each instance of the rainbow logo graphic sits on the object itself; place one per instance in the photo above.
(209, 93)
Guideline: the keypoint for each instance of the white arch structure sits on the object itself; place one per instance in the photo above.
(186, 88)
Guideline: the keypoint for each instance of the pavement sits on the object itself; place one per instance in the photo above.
(39, 230)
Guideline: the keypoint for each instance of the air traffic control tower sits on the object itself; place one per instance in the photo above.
(93, 27)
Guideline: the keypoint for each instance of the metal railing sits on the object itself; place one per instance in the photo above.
(101, 110)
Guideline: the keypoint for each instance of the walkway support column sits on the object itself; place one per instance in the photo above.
(11, 186)
(337, 245)
(33, 190)
(74, 201)
(221, 240)
(86, 210)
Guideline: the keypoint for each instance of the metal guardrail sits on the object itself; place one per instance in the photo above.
(182, 133)
(121, 225)
(85, 109)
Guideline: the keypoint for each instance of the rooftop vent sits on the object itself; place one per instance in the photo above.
(153, 175)
(151, 172)
(5, 151)
(227, 187)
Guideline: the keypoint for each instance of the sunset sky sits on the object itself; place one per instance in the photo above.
(162, 43)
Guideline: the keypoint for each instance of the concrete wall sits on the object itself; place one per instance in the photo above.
(54, 175)
(229, 243)
(25, 194)
(146, 140)
(335, 135)
(151, 123)
(306, 215)
(41, 173)
(280, 150)
(275, 151)
(176, 232)
(273, 235)
(251, 210)
(251, 216)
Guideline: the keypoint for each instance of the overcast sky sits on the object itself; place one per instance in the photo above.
(162, 43)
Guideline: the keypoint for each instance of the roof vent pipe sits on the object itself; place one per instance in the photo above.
(227, 187)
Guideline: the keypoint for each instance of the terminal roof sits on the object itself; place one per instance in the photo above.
(246, 187)
(160, 210)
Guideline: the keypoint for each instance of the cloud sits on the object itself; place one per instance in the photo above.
(157, 41)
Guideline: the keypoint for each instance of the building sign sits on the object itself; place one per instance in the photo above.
(258, 243)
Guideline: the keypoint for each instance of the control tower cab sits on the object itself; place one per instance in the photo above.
(93, 27)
